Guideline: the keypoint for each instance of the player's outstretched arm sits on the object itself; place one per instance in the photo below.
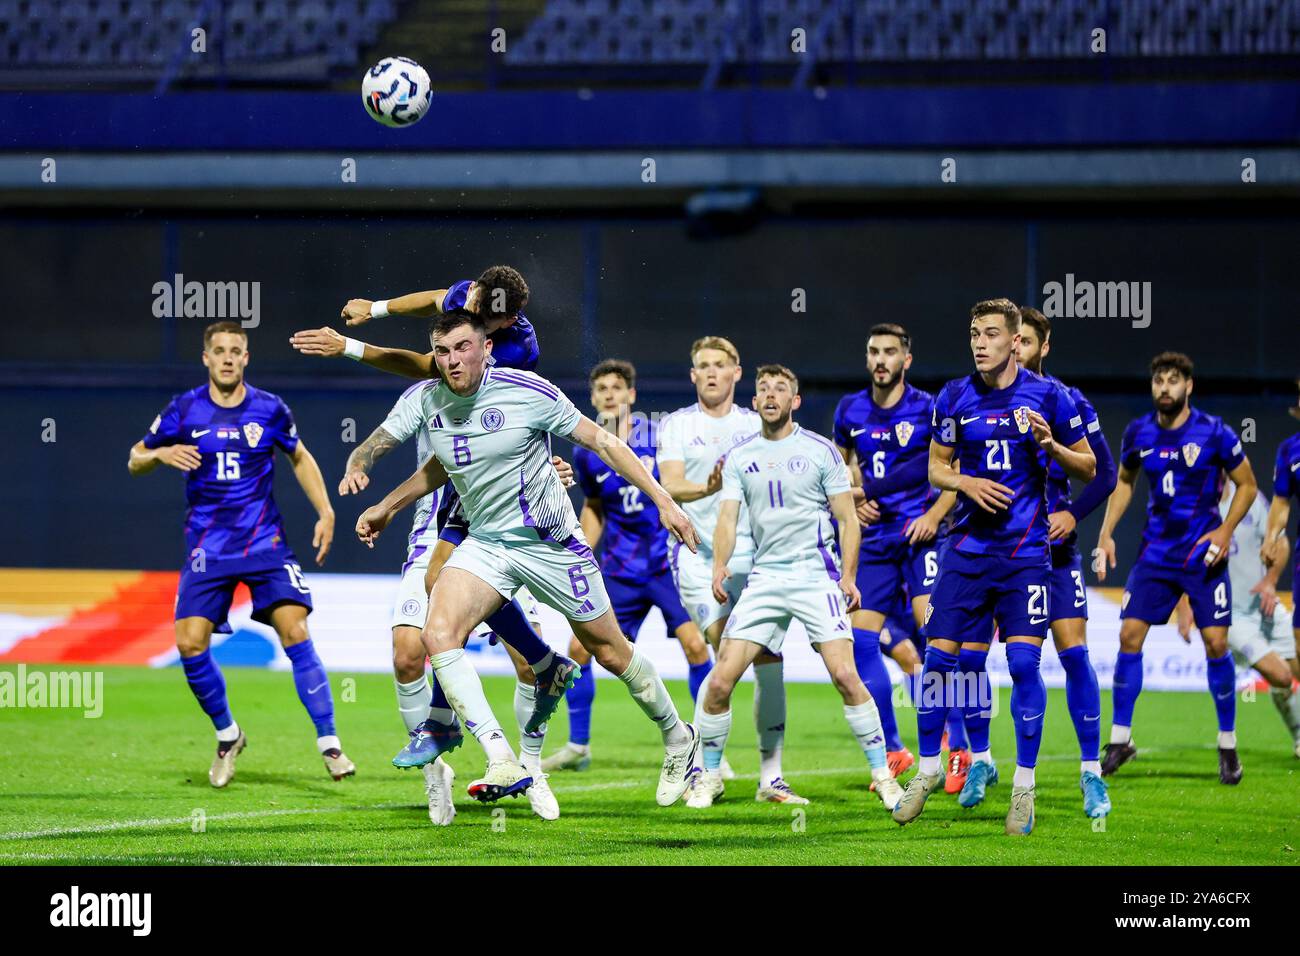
(356, 474)
(614, 452)
(850, 541)
(327, 343)
(144, 460)
(1220, 539)
(415, 305)
(1275, 544)
(427, 479)
(312, 481)
(724, 544)
(1103, 558)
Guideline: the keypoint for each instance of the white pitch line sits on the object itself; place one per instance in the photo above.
(158, 823)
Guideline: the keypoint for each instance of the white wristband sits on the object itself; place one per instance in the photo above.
(379, 309)
(354, 349)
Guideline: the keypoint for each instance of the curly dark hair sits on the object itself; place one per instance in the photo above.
(623, 369)
(1176, 361)
(504, 292)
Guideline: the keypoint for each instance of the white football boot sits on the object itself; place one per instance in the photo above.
(678, 769)
(438, 778)
(706, 789)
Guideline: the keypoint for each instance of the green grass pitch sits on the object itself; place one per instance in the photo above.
(125, 788)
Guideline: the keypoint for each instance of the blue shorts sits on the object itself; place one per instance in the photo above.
(632, 601)
(453, 526)
(1151, 593)
(971, 589)
(1067, 595)
(888, 565)
(273, 577)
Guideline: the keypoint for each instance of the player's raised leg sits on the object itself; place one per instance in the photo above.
(313, 684)
(208, 684)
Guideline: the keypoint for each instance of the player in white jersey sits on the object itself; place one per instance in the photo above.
(693, 441)
(414, 695)
(792, 481)
(488, 429)
(1260, 633)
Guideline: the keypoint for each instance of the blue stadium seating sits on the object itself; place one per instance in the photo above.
(594, 32)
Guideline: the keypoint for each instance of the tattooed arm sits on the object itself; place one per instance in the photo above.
(357, 474)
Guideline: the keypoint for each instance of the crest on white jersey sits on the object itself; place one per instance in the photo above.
(252, 432)
(1022, 419)
(798, 465)
(904, 432)
(492, 419)
(1191, 451)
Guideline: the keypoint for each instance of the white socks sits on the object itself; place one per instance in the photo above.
(769, 718)
(930, 766)
(530, 745)
(413, 701)
(460, 682)
(1227, 740)
(1024, 777)
(228, 735)
(1090, 766)
(328, 743)
(982, 755)
(1120, 734)
(714, 729)
(864, 721)
(651, 696)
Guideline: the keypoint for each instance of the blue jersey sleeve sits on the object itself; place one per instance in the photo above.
(1284, 485)
(1095, 492)
(1066, 421)
(1129, 458)
(840, 431)
(286, 430)
(586, 477)
(456, 295)
(943, 427)
(1229, 448)
(166, 427)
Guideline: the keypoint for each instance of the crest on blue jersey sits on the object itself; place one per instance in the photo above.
(253, 432)
(492, 419)
(798, 465)
(1191, 451)
(904, 432)
(1022, 419)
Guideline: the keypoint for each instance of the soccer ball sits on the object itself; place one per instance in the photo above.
(396, 91)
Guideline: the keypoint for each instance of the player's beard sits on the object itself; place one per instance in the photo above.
(1174, 408)
(889, 382)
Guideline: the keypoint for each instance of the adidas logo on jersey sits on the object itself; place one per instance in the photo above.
(752, 468)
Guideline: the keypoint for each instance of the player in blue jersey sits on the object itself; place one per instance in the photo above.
(883, 433)
(1185, 455)
(223, 436)
(1067, 596)
(1002, 424)
(634, 552)
(499, 296)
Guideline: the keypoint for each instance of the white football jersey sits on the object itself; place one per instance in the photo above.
(404, 420)
(1245, 569)
(787, 486)
(698, 439)
(493, 445)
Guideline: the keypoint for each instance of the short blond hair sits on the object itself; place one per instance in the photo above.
(714, 342)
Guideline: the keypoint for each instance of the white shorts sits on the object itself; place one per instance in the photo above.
(411, 607)
(693, 575)
(1251, 636)
(565, 578)
(771, 601)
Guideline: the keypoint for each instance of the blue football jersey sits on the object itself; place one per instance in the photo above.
(885, 439)
(1185, 469)
(1286, 471)
(989, 428)
(634, 545)
(1058, 481)
(512, 347)
(232, 512)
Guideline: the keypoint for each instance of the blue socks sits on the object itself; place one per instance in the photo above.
(977, 711)
(579, 699)
(871, 668)
(1028, 700)
(313, 686)
(935, 699)
(1221, 675)
(511, 626)
(957, 727)
(1127, 686)
(209, 687)
(1083, 697)
(695, 677)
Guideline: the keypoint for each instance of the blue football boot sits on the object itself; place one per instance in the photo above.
(429, 741)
